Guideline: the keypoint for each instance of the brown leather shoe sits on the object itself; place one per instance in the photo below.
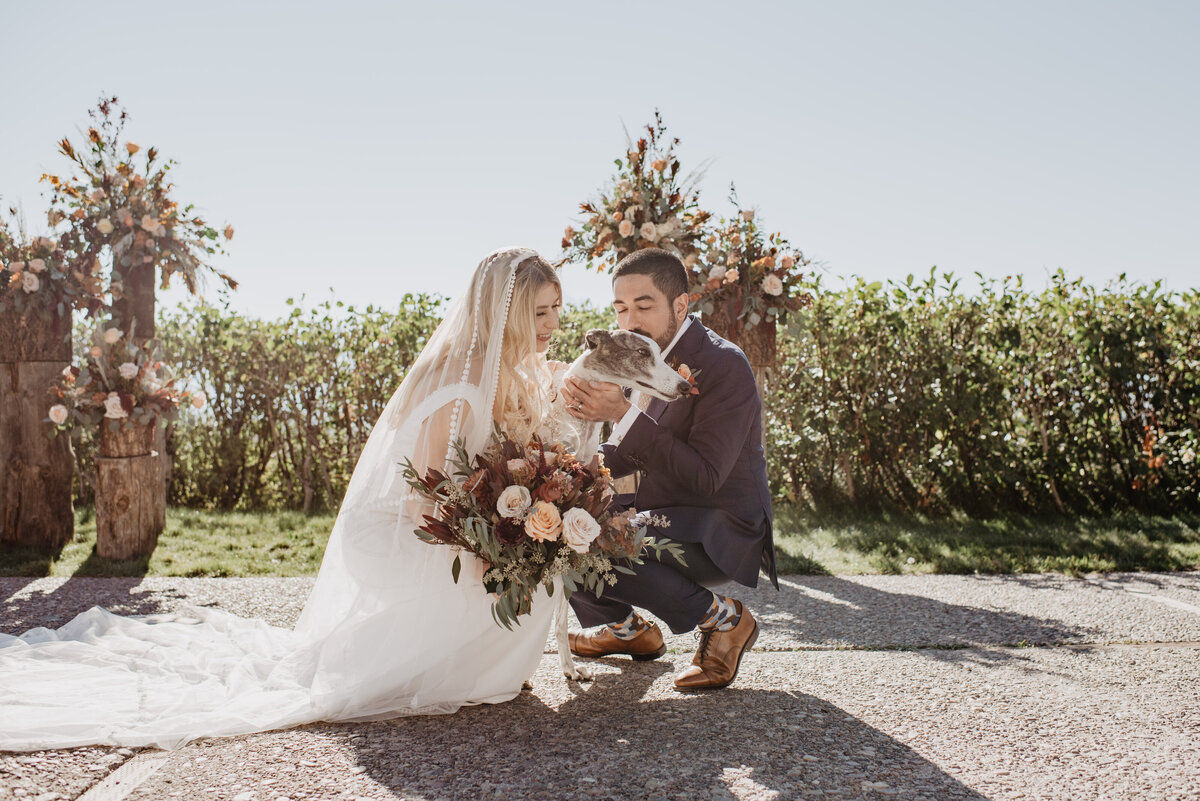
(602, 642)
(720, 654)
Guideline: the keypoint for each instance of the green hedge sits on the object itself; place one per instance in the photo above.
(916, 397)
(910, 396)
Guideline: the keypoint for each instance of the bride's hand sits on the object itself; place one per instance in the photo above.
(597, 401)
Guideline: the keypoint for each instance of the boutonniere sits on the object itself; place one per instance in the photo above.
(687, 374)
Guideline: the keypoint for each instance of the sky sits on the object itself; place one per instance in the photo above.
(380, 148)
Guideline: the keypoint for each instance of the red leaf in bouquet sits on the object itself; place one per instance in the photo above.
(437, 528)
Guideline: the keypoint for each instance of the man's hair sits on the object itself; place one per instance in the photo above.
(665, 269)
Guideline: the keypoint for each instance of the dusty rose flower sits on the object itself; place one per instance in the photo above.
(518, 466)
(788, 262)
(513, 502)
(112, 335)
(748, 215)
(58, 414)
(95, 352)
(717, 272)
(78, 214)
(731, 276)
(30, 283)
(229, 232)
(105, 227)
(16, 267)
(689, 260)
(545, 523)
(625, 228)
(44, 242)
(659, 164)
(732, 259)
(616, 217)
(579, 529)
(138, 182)
(128, 370)
(149, 223)
(568, 232)
(98, 195)
(113, 408)
(37, 266)
(649, 231)
(625, 186)
(199, 399)
(772, 285)
(132, 148)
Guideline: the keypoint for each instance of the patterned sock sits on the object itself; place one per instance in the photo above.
(722, 615)
(630, 627)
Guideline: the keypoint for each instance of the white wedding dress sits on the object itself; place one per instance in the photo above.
(386, 631)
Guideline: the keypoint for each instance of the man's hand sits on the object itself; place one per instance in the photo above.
(597, 401)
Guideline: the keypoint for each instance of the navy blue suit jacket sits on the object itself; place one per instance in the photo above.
(705, 469)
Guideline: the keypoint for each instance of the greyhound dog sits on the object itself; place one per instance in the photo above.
(616, 357)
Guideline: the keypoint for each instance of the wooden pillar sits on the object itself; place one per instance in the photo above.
(758, 342)
(130, 501)
(36, 470)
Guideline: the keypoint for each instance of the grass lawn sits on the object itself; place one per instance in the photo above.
(202, 543)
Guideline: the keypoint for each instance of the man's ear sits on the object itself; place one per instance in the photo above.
(596, 337)
(680, 306)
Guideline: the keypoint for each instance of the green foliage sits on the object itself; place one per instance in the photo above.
(914, 397)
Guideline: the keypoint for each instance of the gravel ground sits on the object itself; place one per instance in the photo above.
(1109, 708)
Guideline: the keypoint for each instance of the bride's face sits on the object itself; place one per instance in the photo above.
(548, 303)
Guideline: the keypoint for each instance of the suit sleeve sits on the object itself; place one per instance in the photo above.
(724, 412)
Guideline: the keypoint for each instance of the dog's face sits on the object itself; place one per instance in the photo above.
(631, 360)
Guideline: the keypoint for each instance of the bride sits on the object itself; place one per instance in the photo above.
(386, 631)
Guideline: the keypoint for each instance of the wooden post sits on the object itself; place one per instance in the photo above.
(36, 470)
(760, 345)
(130, 502)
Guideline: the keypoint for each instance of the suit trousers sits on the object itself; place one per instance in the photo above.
(679, 595)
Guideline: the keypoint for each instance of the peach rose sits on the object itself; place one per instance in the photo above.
(112, 335)
(98, 195)
(772, 285)
(105, 227)
(58, 414)
(95, 352)
(788, 262)
(731, 276)
(616, 217)
(132, 148)
(625, 228)
(149, 223)
(659, 164)
(16, 267)
(513, 501)
(579, 529)
(545, 523)
(229, 232)
(649, 231)
(689, 260)
(37, 266)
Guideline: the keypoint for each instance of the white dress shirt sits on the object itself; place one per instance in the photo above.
(622, 426)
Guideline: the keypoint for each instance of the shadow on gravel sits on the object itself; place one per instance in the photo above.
(829, 611)
(608, 743)
(56, 607)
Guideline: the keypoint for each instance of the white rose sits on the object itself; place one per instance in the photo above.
(37, 265)
(513, 501)
(128, 370)
(112, 335)
(579, 529)
(30, 282)
(649, 231)
(105, 227)
(665, 229)
(772, 285)
(199, 399)
(16, 267)
(717, 272)
(58, 414)
(113, 407)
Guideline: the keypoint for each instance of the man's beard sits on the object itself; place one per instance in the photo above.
(668, 335)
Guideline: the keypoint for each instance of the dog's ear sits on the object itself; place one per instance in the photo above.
(596, 337)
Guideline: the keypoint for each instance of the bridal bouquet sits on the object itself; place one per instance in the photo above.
(533, 513)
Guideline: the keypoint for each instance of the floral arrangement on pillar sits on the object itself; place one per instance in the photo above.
(746, 283)
(646, 205)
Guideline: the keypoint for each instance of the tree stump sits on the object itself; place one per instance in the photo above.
(131, 507)
(758, 342)
(36, 470)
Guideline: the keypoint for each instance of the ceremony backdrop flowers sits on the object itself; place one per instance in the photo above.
(34, 276)
(746, 274)
(532, 513)
(119, 380)
(119, 208)
(647, 205)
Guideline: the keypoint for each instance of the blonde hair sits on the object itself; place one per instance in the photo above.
(521, 395)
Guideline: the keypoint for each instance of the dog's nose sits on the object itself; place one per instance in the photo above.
(684, 388)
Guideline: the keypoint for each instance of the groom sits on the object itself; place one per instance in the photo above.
(704, 470)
